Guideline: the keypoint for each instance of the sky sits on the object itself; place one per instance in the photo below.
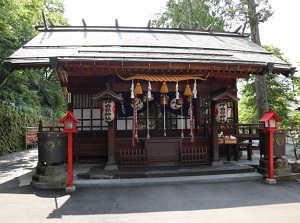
(281, 31)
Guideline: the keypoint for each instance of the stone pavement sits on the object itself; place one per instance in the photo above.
(22, 165)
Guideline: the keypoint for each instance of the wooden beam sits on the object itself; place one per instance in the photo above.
(219, 74)
(163, 66)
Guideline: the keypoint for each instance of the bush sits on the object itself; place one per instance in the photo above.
(13, 126)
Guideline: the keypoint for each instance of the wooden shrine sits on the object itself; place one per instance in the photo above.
(178, 88)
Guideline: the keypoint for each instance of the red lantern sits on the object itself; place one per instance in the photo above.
(70, 122)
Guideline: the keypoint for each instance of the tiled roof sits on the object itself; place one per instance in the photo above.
(142, 44)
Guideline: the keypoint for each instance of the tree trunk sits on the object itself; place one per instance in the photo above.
(260, 80)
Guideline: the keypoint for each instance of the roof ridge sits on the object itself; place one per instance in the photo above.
(137, 29)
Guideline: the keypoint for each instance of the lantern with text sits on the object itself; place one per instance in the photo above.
(221, 112)
(270, 123)
(108, 110)
(70, 122)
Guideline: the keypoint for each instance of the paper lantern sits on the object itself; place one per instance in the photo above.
(221, 112)
(108, 110)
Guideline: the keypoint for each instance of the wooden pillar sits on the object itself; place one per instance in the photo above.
(214, 146)
(111, 163)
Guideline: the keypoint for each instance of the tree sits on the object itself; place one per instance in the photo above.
(223, 14)
(279, 92)
(260, 81)
(17, 21)
(31, 90)
(197, 14)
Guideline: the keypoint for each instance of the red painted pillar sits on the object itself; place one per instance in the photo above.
(70, 159)
(271, 154)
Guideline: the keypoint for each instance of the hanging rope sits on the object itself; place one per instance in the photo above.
(182, 134)
(136, 100)
(149, 91)
(148, 122)
(161, 78)
(176, 91)
(132, 90)
(165, 130)
(191, 120)
(133, 121)
(195, 89)
(149, 95)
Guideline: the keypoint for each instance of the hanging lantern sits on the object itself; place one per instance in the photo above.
(138, 89)
(187, 91)
(164, 88)
(108, 110)
(221, 112)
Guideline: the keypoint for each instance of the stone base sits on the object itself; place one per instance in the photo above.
(111, 167)
(295, 167)
(281, 167)
(270, 181)
(50, 177)
(216, 163)
(70, 189)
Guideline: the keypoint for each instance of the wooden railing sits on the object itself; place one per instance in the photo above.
(239, 129)
(196, 155)
(133, 157)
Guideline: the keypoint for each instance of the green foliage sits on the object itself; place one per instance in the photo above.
(34, 92)
(17, 21)
(282, 96)
(293, 132)
(12, 128)
(54, 12)
(222, 14)
(204, 13)
(240, 12)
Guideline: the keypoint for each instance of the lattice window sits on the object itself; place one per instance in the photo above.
(88, 113)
